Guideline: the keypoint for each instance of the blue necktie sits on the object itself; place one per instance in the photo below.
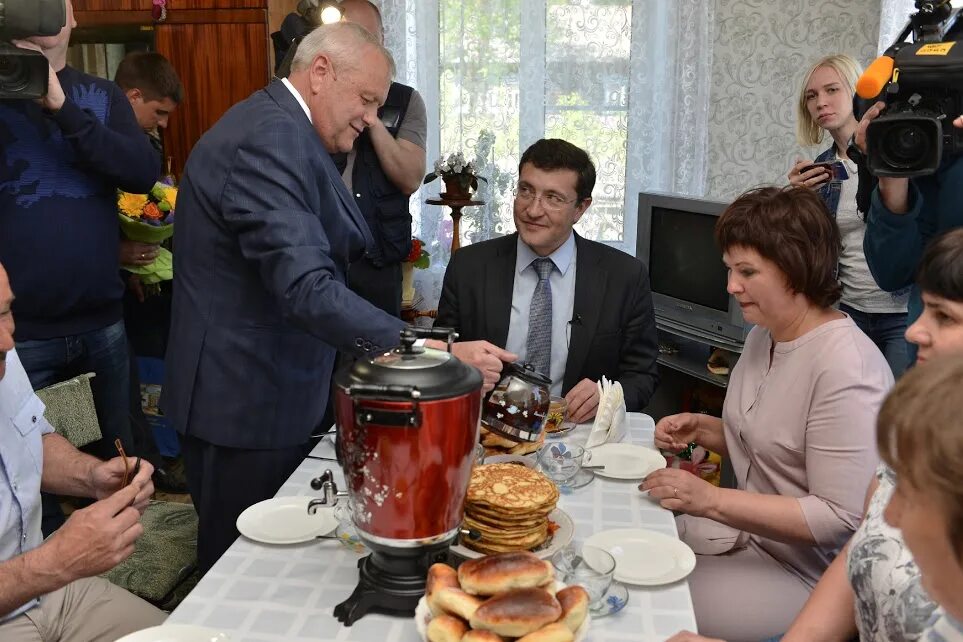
(539, 345)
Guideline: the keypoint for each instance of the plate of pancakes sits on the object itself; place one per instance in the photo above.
(496, 444)
(513, 508)
(499, 597)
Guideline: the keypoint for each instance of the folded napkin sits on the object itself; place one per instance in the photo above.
(610, 419)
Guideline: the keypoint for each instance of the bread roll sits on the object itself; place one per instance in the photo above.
(517, 612)
(479, 635)
(494, 574)
(440, 576)
(574, 601)
(556, 632)
(455, 601)
(445, 628)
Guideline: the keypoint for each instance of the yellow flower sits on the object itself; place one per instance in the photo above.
(170, 195)
(131, 204)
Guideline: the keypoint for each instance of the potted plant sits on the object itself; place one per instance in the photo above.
(458, 174)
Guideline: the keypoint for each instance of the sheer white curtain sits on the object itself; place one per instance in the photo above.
(628, 80)
(893, 17)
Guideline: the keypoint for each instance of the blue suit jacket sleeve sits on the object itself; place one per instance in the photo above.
(264, 204)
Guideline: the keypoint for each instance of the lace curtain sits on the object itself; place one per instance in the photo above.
(628, 80)
(893, 17)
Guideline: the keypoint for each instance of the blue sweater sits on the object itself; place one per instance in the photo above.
(894, 243)
(58, 205)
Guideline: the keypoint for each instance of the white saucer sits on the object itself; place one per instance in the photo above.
(644, 557)
(558, 541)
(285, 520)
(176, 633)
(625, 461)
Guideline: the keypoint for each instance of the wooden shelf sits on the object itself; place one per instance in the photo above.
(691, 358)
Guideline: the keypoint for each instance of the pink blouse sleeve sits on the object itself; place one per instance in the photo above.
(841, 447)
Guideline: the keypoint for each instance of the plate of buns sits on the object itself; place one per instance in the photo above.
(509, 596)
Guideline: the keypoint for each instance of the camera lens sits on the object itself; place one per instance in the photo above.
(904, 146)
(13, 74)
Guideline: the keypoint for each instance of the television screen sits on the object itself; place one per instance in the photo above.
(684, 261)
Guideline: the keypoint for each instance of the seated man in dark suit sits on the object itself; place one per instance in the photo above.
(573, 308)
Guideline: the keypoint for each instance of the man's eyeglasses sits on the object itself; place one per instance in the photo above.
(551, 202)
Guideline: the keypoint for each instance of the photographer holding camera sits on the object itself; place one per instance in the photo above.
(909, 144)
(905, 214)
(62, 159)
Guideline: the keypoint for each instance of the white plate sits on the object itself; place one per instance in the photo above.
(423, 617)
(644, 557)
(285, 520)
(625, 461)
(176, 633)
(564, 535)
(508, 458)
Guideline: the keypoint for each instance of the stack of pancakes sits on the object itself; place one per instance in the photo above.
(509, 505)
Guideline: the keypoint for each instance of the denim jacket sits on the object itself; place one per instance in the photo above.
(831, 190)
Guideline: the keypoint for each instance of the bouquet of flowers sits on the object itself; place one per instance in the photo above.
(419, 258)
(459, 175)
(149, 218)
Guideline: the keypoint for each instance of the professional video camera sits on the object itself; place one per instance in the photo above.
(23, 73)
(922, 84)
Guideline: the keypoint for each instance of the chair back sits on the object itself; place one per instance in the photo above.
(70, 410)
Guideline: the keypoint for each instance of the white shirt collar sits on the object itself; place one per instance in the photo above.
(562, 257)
(304, 105)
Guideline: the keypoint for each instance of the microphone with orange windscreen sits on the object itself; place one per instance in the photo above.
(875, 78)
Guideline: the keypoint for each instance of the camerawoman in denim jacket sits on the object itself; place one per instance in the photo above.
(826, 105)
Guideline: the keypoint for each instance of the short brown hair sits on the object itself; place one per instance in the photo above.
(152, 74)
(791, 227)
(554, 153)
(920, 436)
(940, 271)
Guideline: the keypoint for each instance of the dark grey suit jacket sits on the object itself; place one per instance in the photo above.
(265, 231)
(613, 329)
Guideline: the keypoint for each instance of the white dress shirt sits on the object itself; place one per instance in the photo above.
(304, 105)
(22, 425)
(562, 280)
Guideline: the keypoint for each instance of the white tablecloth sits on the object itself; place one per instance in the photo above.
(260, 593)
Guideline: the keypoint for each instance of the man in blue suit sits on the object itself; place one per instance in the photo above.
(265, 232)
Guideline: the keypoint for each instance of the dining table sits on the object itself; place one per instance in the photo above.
(271, 593)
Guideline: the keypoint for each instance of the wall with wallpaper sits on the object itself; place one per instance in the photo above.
(761, 50)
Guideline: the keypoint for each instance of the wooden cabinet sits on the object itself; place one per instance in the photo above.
(175, 5)
(220, 49)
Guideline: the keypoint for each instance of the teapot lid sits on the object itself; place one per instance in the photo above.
(527, 372)
(436, 374)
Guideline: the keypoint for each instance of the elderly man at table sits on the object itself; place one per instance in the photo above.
(573, 308)
(266, 231)
(49, 589)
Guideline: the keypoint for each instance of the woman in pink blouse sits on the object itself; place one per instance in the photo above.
(798, 424)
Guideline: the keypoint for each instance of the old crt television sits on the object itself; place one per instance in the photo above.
(676, 241)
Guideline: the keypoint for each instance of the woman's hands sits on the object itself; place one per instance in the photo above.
(680, 490)
(813, 177)
(675, 432)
